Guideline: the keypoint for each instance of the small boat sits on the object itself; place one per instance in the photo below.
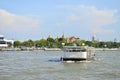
(77, 53)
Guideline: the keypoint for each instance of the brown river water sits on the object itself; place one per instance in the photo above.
(46, 65)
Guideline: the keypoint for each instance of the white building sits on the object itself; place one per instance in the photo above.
(3, 42)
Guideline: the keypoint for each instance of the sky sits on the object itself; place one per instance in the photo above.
(35, 19)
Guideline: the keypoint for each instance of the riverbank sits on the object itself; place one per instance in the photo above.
(107, 49)
(53, 49)
(10, 49)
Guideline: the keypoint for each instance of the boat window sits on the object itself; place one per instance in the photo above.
(2, 42)
(75, 50)
(1, 38)
(83, 50)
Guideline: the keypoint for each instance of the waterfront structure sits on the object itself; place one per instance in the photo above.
(4, 42)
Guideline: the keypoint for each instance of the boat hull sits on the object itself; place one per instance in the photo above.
(73, 59)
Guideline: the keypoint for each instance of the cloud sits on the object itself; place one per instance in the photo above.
(95, 20)
(12, 23)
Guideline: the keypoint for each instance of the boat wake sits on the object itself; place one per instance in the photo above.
(55, 60)
(77, 61)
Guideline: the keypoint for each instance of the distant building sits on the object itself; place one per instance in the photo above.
(43, 38)
(70, 39)
(115, 40)
(73, 39)
(50, 36)
(67, 39)
(94, 38)
(3, 42)
(63, 36)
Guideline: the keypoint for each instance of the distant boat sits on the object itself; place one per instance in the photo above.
(77, 53)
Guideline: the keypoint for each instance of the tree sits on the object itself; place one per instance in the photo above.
(50, 40)
(17, 44)
(30, 43)
(89, 43)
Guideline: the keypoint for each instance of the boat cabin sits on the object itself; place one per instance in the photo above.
(76, 53)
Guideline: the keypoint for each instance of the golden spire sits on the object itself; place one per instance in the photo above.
(63, 36)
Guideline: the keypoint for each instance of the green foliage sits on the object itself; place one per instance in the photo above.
(88, 43)
(79, 43)
(17, 44)
(54, 43)
(42, 43)
(50, 40)
(9, 44)
(28, 43)
(70, 44)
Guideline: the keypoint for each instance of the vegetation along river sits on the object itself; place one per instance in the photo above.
(46, 65)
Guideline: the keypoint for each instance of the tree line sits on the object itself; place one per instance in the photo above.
(57, 43)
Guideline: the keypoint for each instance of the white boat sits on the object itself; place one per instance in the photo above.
(77, 53)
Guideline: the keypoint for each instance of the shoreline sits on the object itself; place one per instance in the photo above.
(54, 49)
(107, 49)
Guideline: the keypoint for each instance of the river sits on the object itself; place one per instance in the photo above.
(46, 65)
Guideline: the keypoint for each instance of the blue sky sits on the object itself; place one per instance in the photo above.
(34, 19)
